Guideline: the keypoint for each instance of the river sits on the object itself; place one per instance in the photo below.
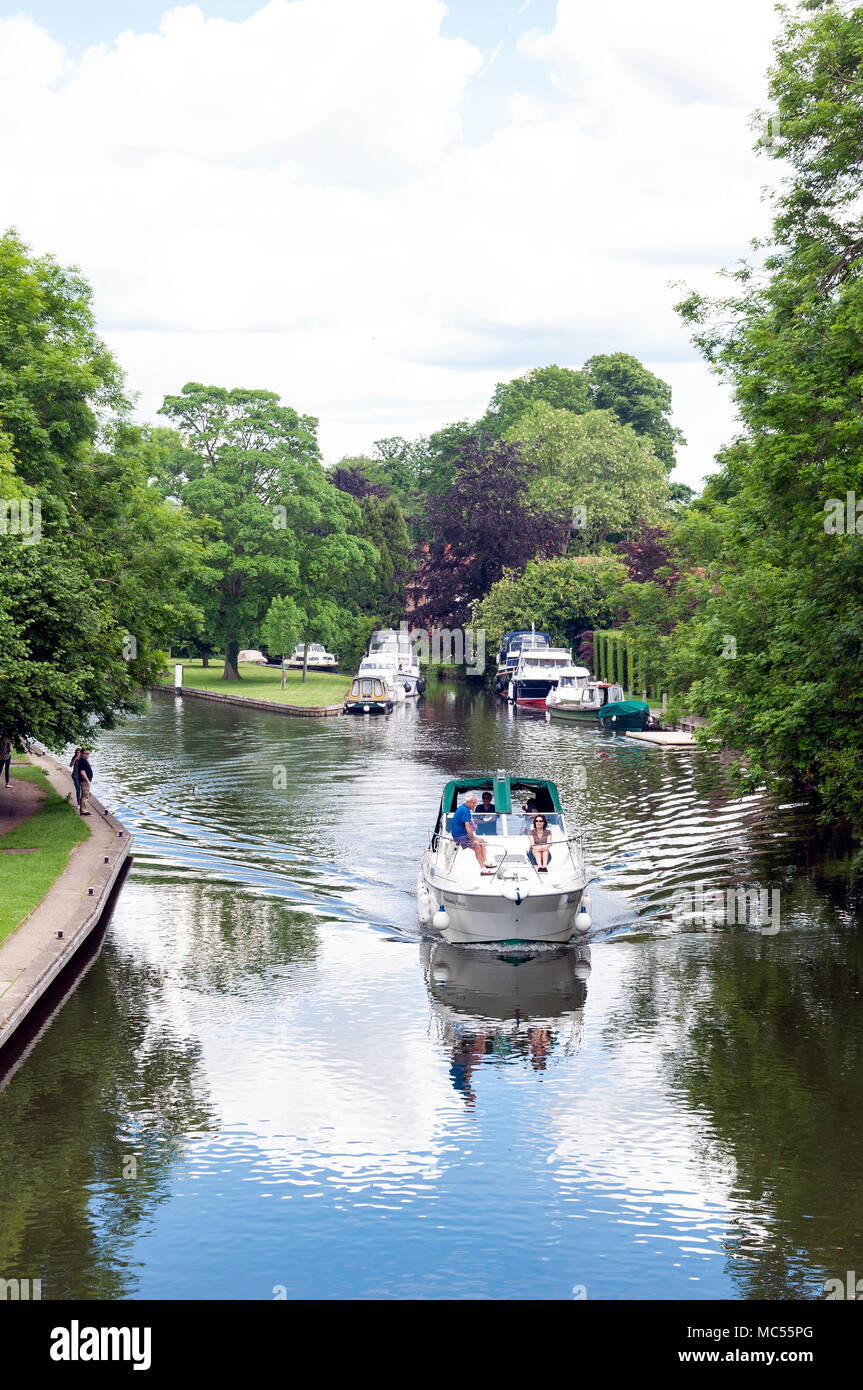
(265, 1085)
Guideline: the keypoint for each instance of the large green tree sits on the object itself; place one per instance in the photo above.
(595, 475)
(774, 653)
(94, 564)
(564, 596)
(250, 469)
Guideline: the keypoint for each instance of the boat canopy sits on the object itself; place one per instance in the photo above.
(622, 707)
(501, 787)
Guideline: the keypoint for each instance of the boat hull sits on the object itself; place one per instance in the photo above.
(368, 707)
(577, 716)
(477, 917)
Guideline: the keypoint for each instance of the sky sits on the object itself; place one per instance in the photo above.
(381, 208)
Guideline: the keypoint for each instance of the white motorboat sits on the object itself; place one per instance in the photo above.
(319, 658)
(512, 644)
(567, 694)
(388, 642)
(385, 667)
(538, 672)
(513, 899)
(583, 702)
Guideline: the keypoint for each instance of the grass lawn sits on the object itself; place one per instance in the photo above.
(53, 830)
(263, 682)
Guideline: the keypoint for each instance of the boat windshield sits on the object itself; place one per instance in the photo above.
(367, 688)
(514, 823)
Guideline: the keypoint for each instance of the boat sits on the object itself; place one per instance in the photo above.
(538, 671)
(568, 689)
(319, 658)
(583, 703)
(512, 900)
(368, 695)
(387, 642)
(384, 666)
(511, 645)
(621, 716)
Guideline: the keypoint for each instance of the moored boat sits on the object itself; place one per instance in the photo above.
(622, 715)
(390, 643)
(368, 695)
(512, 899)
(583, 703)
(538, 672)
(511, 646)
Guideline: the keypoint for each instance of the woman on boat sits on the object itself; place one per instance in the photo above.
(540, 839)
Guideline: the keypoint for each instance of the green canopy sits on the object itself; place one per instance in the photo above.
(622, 707)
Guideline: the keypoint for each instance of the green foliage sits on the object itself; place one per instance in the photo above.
(788, 592)
(558, 387)
(564, 596)
(87, 604)
(250, 470)
(623, 385)
(593, 462)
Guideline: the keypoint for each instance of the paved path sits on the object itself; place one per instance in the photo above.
(33, 956)
(17, 802)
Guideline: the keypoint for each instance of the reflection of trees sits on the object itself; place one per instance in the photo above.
(105, 1082)
(768, 1046)
(233, 938)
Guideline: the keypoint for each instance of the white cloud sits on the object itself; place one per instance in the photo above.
(289, 201)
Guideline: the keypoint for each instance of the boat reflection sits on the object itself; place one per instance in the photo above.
(505, 1006)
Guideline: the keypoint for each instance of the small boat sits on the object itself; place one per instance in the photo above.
(511, 645)
(584, 702)
(622, 715)
(568, 689)
(319, 658)
(512, 900)
(538, 671)
(388, 642)
(385, 666)
(368, 695)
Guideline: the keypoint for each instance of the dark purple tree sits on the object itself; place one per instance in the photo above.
(484, 524)
(648, 557)
(354, 481)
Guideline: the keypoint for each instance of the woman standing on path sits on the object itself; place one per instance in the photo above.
(85, 777)
(5, 755)
(73, 763)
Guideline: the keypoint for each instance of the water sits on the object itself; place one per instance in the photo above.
(266, 1085)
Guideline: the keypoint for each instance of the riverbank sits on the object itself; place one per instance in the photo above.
(76, 881)
(38, 832)
(321, 694)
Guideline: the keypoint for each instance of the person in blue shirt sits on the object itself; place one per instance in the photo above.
(463, 832)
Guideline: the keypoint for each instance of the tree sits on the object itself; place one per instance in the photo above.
(485, 524)
(565, 596)
(620, 383)
(281, 628)
(773, 653)
(95, 584)
(251, 471)
(593, 474)
(562, 388)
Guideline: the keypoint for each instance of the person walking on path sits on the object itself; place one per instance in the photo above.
(85, 776)
(73, 763)
(5, 755)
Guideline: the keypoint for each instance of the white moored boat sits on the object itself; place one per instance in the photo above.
(385, 668)
(388, 642)
(513, 900)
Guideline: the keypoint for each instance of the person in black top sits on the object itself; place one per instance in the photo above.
(487, 803)
(85, 776)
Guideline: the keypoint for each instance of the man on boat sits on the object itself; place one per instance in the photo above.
(463, 832)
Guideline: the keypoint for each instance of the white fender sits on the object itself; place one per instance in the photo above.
(441, 919)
